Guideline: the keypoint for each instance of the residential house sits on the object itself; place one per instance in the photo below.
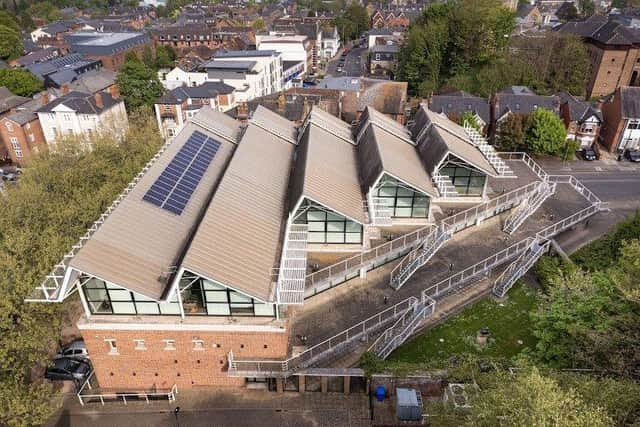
(518, 100)
(189, 37)
(34, 57)
(613, 51)
(330, 43)
(179, 105)
(378, 36)
(383, 59)
(110, 48)
(389, 19)
(581, 118)
(54, 30)
(621, 120)
(457, 103)
(21, 134)
(82, 114)
(9, 102)
(528, 16)
(180, 76)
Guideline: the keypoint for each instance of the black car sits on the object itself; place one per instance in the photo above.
(588, 154)
(632, 155)
(67, 369)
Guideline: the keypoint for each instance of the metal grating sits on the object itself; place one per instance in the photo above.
(293, 266)
(175, 185)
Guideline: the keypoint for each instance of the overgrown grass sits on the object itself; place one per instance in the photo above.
(507, 321)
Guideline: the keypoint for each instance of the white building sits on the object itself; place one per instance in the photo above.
(78, 113)
(253, 73)
(330, 44)
(296, 48)
(179, 77)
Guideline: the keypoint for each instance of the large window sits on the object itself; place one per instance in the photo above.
(328, 227)
(402, 200)
(204, 297)
(468, 180)
(105, 298)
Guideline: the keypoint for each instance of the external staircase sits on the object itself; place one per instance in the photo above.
(293, 266)
(519, 267)
(488, 151)
(444, 185)
(528, 206)
(419, 256)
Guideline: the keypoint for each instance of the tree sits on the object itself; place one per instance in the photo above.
(258, 24)
(546, 133)
(531, 399)
(139, 84)
(59, 195)
(470, 119)
(45, 10)
(587, 7)
(10, 43)
(148, 58)
(510, 135)
(20, 82)
(165, 57)
(9, 20)
(569, 13)
(352, 22)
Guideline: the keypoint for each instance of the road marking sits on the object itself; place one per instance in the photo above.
(598, 168)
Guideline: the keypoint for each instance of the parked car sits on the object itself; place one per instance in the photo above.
(588, 154)
(75, 350)
(632, 155)
(11, 177)
(67, 369)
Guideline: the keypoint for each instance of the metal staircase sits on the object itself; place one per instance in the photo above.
(489, 152)
(419, 256)
(293, 266)
(519, 267)
(380, 213)
(444, 185)
(528, 206)
(404, 327)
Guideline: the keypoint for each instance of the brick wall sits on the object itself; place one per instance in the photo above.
(185, 366)
(30, 137)
(610, 69)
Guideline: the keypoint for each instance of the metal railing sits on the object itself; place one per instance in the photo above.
(51, 288)
(444, 185)
(169, 394)
(293, 267)
(519, 267)
(404, 327)
(349, 268)
(359, 332)
(489, 152)
(419, 256)
(528, 207)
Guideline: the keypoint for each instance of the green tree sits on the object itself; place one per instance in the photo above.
(10, 43)
(20, 82)
(258, 24)
(531, 399)
(546, 133)
(60, 194)
(9, 20)
(44, 10)
(587, 7)
(352, 22)
(569, 13)
(165, 57)
(510, 135)
(139, 84)
(148, 58)
(470, 119)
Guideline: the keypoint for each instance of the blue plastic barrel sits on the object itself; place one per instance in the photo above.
(380, 393)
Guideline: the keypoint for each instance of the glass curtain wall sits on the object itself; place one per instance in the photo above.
(468, 180)
(403, 201)
(106, 298)
(325, 226)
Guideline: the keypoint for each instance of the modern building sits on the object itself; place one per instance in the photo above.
(63, 70)
(179, 105)
(291, 48)
(203, 256)
(582, 120)
(110, 48)
(621, 120)
(82, 114)
(253, 73)
(613, 50)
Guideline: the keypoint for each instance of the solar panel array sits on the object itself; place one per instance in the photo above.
(175, 185)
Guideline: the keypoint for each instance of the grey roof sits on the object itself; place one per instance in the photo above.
(385, 48)
(289, 64)
(340, 83)
(380, 32)
(44, 68)
(442, 137)
(230, 65)
(579, 110)
(56, 27)
(602, 29)
(525, 103)
(244, 53)
(83, 103)
(99, 44)
(8, 100)
(630, 102)
(62, 77)
(94, 81)
(22, 117)
(37, 56)
(517, 90)
(206, 90)
(459, 103)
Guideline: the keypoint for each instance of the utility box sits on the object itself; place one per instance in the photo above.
(408, 404)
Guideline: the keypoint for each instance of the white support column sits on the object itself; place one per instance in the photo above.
(83, 300)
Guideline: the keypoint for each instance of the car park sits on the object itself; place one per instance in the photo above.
(76, 350)
(68, 369)
(632, 155)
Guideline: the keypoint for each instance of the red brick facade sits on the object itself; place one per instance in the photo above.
(185, 366)
(29, 138)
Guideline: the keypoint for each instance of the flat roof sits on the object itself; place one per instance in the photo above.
(238, 241)
(139, 243)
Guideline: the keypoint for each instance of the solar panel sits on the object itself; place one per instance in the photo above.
(175, 185)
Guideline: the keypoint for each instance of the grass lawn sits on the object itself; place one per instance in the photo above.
(508, 323)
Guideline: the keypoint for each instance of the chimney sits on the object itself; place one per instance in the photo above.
(114, 90)
(45, 98)
(98, 98)
(243, 111)
(65, 89)
(282, 102)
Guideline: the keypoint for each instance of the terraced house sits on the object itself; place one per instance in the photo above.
(203, 260)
